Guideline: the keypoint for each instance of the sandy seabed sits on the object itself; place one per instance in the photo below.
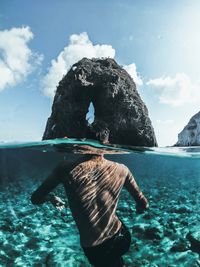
(167, 235)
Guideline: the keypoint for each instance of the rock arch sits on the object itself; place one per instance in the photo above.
(118, 106)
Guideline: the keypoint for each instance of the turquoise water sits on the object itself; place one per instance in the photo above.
(167, 235)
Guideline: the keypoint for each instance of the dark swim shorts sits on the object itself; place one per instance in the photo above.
(109, 253)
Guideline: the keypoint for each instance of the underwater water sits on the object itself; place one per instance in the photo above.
(166, 235)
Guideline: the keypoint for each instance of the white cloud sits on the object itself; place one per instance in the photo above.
(132, 70)
(16, 58)
(176, 91)
(79, 46)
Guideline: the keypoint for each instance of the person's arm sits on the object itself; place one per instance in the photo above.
(42, 194)
(132, 187)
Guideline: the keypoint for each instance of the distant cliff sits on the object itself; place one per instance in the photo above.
(118, 108)
(190, 135)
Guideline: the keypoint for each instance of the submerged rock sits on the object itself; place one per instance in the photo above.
(180, 246)
(118, 108)
(194, 238)
(190, 135)
(148, 231)
(154, 232)
(7, 226)
(33, 243)
(181, 209)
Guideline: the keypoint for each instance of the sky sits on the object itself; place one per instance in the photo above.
(157, 42)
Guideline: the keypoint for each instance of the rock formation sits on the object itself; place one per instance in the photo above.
(190, 135)
(118, 108)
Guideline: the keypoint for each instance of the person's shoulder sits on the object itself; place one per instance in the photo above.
(119, 165)
(110, 162)
(124, 167)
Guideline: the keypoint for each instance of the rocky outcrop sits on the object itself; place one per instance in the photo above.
(190, 135)
(194, 238)
(118, 108)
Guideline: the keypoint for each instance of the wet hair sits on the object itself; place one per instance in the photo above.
(100, 131)
(103, 135)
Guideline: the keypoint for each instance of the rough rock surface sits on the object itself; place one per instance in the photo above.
(194, 239)
(190, 135)
(118, 107)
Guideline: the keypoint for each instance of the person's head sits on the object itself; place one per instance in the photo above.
(101, 132)
(103, 136)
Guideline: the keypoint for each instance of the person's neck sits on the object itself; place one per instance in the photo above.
(93, 157)
(97, 156)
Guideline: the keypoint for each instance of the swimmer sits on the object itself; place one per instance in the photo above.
(93, 185)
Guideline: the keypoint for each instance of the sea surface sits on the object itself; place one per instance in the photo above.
(166, 235)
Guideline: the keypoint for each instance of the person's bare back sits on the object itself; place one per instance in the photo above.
(93, 189)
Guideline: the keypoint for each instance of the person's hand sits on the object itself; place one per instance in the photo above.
(141, 208)
(57, 202)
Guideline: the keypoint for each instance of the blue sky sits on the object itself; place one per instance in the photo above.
(157, 41)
